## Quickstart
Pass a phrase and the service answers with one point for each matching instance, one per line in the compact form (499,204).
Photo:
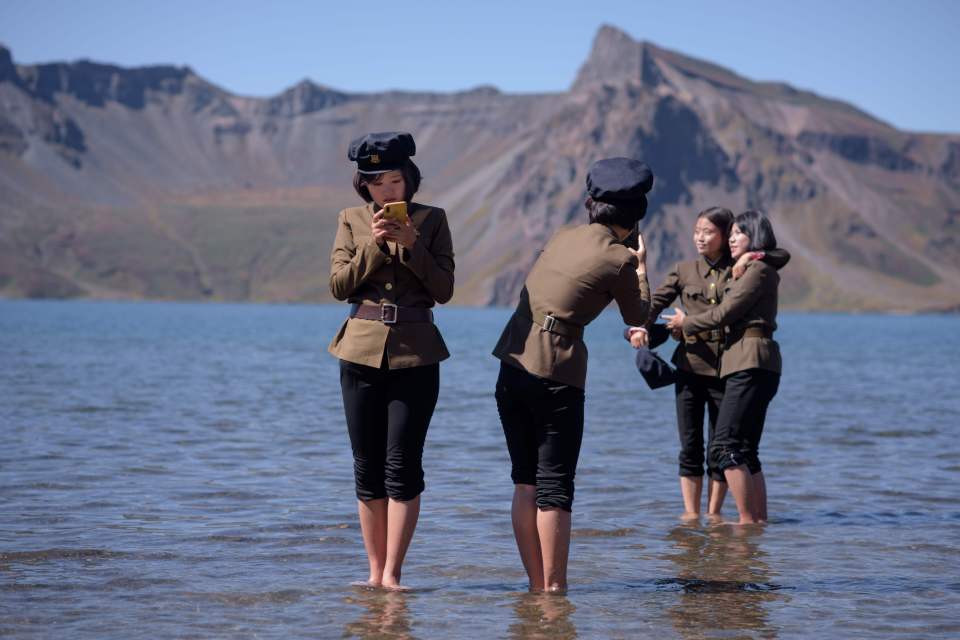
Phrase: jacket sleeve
(776,258)
(432,261)
(740,299)
(632,293)
(665,294)
(661,299)
(352,264)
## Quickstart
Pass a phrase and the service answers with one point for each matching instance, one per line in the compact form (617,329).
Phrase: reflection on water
(541,616)
(723,580)
(385,615)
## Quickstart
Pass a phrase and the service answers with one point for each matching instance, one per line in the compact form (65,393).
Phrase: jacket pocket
(693,293)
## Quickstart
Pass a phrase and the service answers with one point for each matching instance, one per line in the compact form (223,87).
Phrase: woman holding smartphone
(699,285)
(392,270)
(540,390)
(750,364)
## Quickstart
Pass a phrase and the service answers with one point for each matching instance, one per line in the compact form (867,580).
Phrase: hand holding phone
(396,211)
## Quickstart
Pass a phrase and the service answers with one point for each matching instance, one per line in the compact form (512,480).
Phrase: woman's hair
(411,180)
(720,217)
(757,227)
(623,215)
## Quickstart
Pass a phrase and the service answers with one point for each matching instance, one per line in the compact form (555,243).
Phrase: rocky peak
(8,71)
(304,97)
(617,58)
(96,84)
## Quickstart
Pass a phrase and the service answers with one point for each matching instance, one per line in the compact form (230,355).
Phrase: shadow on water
(723,581)
(542,616)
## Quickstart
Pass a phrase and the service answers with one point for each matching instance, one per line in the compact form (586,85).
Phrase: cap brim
(383,167)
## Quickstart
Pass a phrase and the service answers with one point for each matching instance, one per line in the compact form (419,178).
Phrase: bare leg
(716,492)
(553,526)
(691,488)
(524,516)
(760,495)
(741,486)
(401,523)
(373,525)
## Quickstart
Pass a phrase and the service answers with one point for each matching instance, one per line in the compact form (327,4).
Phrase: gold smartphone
(396,211)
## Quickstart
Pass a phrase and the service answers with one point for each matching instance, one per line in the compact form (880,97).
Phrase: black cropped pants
(543,424)
(694,393)
(388,412)
(746,396)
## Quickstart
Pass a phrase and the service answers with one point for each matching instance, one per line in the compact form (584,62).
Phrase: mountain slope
(153,182)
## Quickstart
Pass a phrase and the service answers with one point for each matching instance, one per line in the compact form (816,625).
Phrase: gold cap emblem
(374,158)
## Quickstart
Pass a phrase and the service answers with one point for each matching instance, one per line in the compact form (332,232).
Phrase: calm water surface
(182,470)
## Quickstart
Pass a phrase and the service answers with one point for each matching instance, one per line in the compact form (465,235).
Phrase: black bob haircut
(625,215)
(411,180)
(757,227)
(720,217)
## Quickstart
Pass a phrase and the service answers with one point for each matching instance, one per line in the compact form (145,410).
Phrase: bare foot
(369,584)
(745,522)
(687,516)
(395,586)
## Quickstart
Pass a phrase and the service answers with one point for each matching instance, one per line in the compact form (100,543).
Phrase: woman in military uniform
(540,390)
(699,284)
(391,272)
(750,364)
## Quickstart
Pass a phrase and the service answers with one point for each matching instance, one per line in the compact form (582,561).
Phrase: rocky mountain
(154,183)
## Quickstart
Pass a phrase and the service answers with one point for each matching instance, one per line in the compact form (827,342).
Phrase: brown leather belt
(711,335)
(389,313)
(553,324)
(750,332)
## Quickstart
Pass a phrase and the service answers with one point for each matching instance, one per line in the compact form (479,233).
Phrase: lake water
(183,470)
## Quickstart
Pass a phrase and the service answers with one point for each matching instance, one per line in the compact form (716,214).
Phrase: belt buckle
(716,335)
(548,322)
(388,313)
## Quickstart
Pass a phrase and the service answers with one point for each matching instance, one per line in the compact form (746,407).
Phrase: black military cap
(657,334)
(381,152)
(619,180)
(654,369)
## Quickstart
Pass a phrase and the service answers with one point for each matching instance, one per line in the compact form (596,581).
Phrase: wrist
(413,239)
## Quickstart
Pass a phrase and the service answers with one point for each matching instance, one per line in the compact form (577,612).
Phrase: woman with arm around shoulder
(392,270)
(750,364)
(540,390)
(699,285)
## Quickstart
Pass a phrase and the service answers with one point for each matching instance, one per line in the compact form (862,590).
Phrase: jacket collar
(605,231)
(704,265)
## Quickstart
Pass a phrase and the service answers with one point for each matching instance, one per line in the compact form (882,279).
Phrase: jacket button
(388,286)
(389,260)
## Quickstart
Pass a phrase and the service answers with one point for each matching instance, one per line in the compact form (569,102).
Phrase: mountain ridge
(161,162)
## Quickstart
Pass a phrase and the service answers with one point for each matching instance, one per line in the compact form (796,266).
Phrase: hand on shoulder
(744,261)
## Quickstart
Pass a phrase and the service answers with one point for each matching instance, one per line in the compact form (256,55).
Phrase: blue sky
(896,60)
